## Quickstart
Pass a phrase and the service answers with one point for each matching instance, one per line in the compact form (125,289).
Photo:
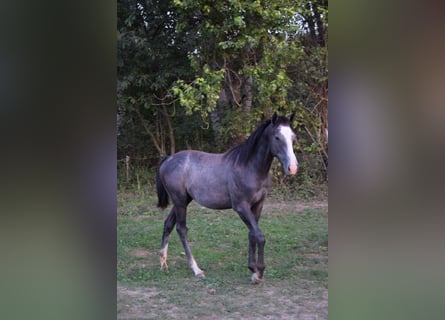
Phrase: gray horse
(238,179)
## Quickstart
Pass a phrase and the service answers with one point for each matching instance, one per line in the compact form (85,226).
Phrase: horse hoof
(201,275)
(256,279)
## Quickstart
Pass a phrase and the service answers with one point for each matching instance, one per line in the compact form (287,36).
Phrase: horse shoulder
(248,186)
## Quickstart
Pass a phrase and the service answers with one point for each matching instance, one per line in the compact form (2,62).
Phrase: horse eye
(277,138)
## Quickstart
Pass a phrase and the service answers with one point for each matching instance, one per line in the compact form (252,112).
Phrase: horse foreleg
(256,238)
(252,265)
(260,264)
(252,253)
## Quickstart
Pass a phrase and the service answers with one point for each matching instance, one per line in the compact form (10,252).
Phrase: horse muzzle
(289,165)
(292,169)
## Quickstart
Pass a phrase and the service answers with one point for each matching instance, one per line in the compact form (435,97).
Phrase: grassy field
(296,257)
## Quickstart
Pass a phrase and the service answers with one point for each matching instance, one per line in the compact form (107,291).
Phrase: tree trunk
(222,105)
(171,133)
(310,22)
(246,92)
(320,26)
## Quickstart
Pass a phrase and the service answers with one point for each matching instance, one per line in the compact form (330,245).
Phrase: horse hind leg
(181,228)
(169,223)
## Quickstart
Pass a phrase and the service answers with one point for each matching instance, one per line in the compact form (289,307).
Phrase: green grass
(295,256)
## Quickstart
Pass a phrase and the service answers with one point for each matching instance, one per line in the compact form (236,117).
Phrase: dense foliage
(201,74)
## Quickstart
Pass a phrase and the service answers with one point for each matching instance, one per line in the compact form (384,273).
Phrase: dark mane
(242,152)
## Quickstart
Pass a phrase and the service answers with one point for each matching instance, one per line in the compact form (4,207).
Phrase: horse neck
(262,160)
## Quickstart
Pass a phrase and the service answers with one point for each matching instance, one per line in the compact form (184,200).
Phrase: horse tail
(162,193)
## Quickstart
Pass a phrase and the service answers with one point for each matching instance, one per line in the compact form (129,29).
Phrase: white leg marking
(198,272)
(256,279)
(163,258)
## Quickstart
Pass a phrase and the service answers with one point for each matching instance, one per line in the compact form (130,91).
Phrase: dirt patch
(145,303)
(141,253)
(254,302)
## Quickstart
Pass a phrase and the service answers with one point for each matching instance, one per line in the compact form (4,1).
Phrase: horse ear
(274,117)
(291,117)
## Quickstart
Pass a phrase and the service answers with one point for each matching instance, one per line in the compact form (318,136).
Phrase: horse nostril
(293,169)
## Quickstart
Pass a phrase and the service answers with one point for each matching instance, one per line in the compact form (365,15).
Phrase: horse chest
(261,192)
(253,190)
(258,195)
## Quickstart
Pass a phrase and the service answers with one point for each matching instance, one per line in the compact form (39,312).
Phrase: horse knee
(257,238)
(260,239)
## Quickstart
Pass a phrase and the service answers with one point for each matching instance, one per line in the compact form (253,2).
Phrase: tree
(214,69)
(245,57)
(150,58)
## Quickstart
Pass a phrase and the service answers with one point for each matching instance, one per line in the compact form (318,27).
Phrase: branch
(173,102)
(152,136)
(317,142)
(231,88)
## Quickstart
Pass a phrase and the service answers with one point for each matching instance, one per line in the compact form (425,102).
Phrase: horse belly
(220,205)
(210,193)
(213,197)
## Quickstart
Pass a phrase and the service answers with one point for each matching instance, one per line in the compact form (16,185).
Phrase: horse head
(281,139)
